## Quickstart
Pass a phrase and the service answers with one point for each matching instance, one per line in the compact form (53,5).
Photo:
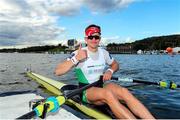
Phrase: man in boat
(90,63)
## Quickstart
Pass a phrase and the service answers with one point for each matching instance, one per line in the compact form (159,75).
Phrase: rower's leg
(100,95)
(132,102)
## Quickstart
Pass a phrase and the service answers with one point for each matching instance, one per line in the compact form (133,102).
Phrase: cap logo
(92,30)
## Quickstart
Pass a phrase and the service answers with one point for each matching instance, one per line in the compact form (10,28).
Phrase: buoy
(169,49)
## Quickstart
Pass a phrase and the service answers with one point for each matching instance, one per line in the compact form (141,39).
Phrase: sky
(50,22)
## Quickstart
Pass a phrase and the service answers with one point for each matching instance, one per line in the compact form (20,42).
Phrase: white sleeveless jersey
(90,69)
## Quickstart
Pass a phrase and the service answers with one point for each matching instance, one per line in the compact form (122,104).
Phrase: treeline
(37,49)
(152,43)
(157,43)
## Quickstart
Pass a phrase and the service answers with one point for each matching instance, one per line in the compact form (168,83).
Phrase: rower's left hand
(107,75)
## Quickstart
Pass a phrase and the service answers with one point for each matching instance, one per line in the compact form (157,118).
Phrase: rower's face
(93,40)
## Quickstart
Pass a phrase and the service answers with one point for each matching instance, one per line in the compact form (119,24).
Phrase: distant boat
(176,50)
(139,52)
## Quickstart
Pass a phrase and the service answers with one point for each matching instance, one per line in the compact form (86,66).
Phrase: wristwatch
(74,60)
(111,70)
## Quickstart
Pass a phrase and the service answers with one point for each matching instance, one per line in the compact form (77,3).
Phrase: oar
(165,84)
(53,103)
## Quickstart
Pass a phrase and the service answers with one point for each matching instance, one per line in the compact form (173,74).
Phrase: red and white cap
(92,30)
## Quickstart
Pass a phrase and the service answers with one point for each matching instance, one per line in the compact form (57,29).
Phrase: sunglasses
(95,37)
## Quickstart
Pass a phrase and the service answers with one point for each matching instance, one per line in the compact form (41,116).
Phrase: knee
(110,85)
(125,93)
(108,95)
(124,90)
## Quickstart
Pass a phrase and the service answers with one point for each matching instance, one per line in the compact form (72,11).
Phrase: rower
(90,63)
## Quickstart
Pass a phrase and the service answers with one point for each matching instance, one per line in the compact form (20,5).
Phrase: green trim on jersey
(80,76)
(84,97)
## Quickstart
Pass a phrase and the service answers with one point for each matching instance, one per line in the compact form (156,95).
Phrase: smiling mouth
(94,42)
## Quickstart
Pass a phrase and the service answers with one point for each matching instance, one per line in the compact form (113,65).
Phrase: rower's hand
(107,75)
(81,54)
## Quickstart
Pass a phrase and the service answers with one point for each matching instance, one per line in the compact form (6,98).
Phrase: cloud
(26,22)
(72,7)
(34,22)
(116,39)
(64,7)
(107,5)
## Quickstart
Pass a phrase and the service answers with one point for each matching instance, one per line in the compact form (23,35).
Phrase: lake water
(163,103)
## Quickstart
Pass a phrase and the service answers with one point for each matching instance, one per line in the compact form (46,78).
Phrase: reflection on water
(163,103)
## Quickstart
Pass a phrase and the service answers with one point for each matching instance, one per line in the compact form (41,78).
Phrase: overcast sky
(45,22)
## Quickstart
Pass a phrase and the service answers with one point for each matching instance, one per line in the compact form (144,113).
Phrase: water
(163,103)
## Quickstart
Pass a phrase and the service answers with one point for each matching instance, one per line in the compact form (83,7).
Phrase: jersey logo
(95,71)
(95,66)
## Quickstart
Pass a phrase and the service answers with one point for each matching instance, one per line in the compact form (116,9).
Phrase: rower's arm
(63,67)
(114,66)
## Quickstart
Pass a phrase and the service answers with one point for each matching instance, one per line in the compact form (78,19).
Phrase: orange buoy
(169,49)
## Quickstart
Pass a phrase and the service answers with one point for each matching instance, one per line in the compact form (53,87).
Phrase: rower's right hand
(81,54)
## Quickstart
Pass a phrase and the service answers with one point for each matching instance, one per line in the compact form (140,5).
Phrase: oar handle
(122,79)
(134,80)
(78,91)
(146,82)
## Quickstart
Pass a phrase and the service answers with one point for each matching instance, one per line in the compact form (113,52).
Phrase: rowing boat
(97,112)
(54,86)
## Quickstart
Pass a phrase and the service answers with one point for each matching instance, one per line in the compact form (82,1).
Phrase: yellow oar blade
(169,84)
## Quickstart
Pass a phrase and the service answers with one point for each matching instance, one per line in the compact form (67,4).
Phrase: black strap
(100,84)
(69,87)
(46,106)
